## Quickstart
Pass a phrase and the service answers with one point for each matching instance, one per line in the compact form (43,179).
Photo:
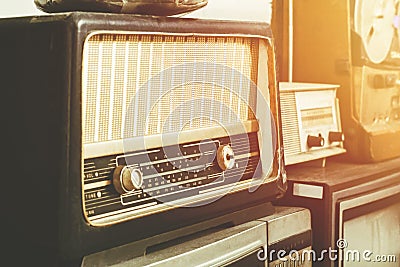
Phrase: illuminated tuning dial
(225,157)
(127,179)
(315,141)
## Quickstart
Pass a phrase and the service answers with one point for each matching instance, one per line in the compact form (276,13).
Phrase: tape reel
(396,21)
(375,22)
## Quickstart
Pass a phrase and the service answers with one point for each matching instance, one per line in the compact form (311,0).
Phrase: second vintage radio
(129,127)
(310,121)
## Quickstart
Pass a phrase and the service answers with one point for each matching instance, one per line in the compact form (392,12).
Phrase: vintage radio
(122,128)
(310,122)
(354,43)
(262,242)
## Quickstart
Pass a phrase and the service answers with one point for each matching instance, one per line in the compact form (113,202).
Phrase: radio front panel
(167,123)
(317,116)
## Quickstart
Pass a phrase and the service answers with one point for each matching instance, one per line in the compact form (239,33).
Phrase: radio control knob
(378,81)
(127,179)
(315,141)
(336,137)
(225,157)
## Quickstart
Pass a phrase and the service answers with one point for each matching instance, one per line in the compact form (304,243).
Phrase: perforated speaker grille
(149,77)
(290,124)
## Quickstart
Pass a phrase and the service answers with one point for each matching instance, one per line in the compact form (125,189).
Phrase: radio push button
(377,81)
(127,179)
(336,137)
(395,101)
(315,141)
(225,157)
(380,81)
(391,80)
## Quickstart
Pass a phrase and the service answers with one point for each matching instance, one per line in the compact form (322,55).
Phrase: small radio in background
(310,122)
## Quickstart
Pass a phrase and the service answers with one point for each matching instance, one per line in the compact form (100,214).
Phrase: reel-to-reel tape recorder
(355,43)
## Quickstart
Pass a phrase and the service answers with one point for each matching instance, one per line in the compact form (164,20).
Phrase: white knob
(127,179)
(225,157)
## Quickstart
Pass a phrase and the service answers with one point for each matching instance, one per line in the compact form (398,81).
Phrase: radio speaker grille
(290,124)
(124,73)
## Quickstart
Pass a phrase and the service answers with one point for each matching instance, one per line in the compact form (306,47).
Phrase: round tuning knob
(127,179)
(336,137)
(315,141)
(225,157)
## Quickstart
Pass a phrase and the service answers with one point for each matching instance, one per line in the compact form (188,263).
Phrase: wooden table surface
(340,173)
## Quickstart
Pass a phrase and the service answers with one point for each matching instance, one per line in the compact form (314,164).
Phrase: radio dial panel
(158,180)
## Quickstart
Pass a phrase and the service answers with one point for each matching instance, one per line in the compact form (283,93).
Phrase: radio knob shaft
(315,141)
(127,179)
(225,157)
(336,137)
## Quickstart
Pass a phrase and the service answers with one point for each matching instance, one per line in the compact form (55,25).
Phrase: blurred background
(18,8)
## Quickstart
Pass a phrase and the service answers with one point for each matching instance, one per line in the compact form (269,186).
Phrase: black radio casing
(41,103)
